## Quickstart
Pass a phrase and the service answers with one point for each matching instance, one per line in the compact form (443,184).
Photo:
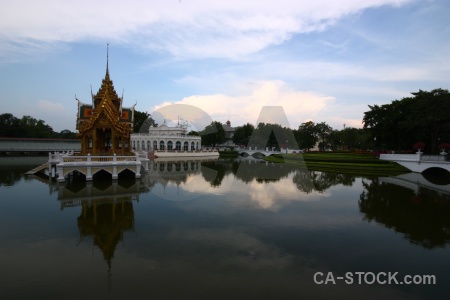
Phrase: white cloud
(54,114)
(50,107)
(299,106)
(196,28)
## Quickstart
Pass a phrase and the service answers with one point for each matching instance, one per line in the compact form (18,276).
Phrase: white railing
(413,157)
(434,158)
(101,159)
(186,151)
(407,157)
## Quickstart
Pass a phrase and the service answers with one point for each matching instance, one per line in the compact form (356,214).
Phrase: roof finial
(107,58)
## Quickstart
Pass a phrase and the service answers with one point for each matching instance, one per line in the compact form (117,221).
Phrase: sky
(323,61)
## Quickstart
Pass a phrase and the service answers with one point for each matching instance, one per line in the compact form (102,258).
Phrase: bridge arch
(102,172)
(440,168)
(418,163)
(126,172)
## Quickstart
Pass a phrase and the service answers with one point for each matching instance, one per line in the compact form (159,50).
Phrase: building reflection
(165,170)
(421,214)
(106,210)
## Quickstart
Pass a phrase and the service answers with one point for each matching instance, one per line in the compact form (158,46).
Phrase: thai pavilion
(105,126)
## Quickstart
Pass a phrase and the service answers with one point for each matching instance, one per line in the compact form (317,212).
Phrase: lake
(222,230)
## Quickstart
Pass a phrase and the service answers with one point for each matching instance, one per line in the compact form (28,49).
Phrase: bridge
(418,162)
(265,152)
(415,181)
(35,145)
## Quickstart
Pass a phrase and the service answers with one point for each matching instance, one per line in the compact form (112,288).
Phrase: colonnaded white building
(165,138)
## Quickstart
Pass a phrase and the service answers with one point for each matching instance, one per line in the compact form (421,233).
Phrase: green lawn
(350,163)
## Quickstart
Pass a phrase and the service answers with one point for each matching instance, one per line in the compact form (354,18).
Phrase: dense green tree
(67,134)
(9,125)
(193,133)
(29,127)
(423,117)
(213,134)
(272,135)
(306,135)
(243,133)
(323,131)
(143,121)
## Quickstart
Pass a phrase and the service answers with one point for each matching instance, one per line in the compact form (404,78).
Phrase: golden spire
(107,58)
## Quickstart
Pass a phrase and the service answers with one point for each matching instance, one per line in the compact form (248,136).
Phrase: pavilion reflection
(106,210)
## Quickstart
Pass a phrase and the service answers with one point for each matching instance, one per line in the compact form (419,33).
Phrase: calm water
(219,230)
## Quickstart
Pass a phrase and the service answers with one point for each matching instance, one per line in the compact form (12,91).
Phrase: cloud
(197,28)
(50,107)
(55,114)
(299,106)
(273,196)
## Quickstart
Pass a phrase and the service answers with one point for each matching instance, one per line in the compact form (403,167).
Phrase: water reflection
(309,181)
(422,215)
(14,167)
(407,203)
(246,230)
(106,210)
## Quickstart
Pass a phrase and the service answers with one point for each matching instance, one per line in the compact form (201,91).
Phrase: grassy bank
(350,163)
(228,154)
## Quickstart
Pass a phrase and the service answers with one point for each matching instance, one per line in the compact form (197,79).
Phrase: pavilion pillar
(94,141)
(113,142)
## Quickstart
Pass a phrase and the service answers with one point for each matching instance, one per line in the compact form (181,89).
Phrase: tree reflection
(9,177)
(424,218)
(214,178)
(262,172)
(309,181)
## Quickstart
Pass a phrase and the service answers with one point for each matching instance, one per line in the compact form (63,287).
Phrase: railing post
(89,158)
(419,156)
(114,158)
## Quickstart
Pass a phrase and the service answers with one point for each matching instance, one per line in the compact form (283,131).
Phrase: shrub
(445,146)
(419,146)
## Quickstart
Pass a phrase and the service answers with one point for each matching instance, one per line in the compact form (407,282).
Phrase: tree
(9,125)
(67,134)
(213,134)
(272,135)
(323,131)
(30,127)
(143,121)
(193,133)
(421,117)
(243,133)
(306,135)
